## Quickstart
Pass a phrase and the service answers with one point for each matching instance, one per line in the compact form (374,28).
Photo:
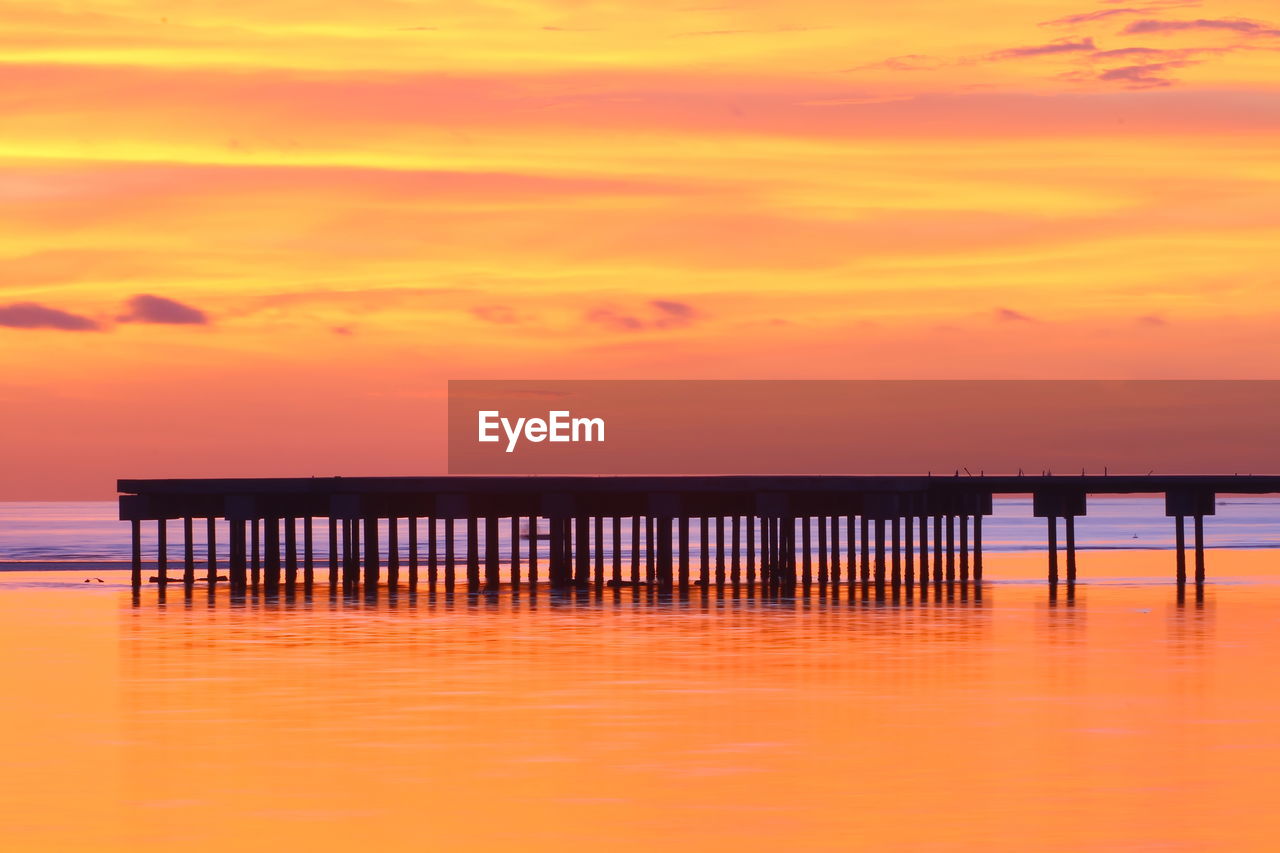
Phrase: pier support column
(515,553)
(977,547)
(964,548)
(1199,536)
(823,574)
(450,556)
(865,532)
(236,556)
(938,546)
(616,544)
(372,555)
(492,557)
(951,548)
(135,575)
(751,550)
(308,552)
(1053,548)
(188,552)
(560,570)
(662,527)
(806,552)
(582,550)
(333,553)
(291,551)
(598,544)
(393,552)
(683,578)
(719,550)
(255,555)
(473,554)
(413,552)
(533,552)
(896,527)
(271,554)
(1180,543)
(735,564)
(909,550)
(924,551)
(835,548)
(162,551)
(211,548)
(1070,522)
(635,550)
(880,567)
(704,550)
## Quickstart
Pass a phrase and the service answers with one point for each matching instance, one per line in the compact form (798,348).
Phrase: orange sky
(363,199)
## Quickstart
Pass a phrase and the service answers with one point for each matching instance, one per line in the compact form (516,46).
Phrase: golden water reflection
(1117,717)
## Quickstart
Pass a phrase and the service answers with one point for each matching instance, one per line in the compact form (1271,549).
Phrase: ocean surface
(1117,715)
(88,531)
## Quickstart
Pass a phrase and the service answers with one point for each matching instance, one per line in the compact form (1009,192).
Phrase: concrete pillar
(473,554)
(135,576)
(704,550)
(413,552)
(1199,535)
(751,550)
(896,526)
(683,578)
(880,566)
(393,552)
(515,553)
(924,551)
(492,556)
(599,550)
(450,556)
(162,550)
(735,562)
(719,550)
(616,544)
(255,545)
(561,575)
(236,556)
(864,531)
(582,550)
(1180,543)
(372,555)
(951,548)
(835,548)
(291,551)
(1070,522)
(271,553)
(1053,549)
(977,547)
(964,547)
(766,551)
(333,552)
(308,552)
(533,551)
(822,552)
(662,528)
(806,552)
(433,553)
(909,550)
(188,552)
(211,548)
(938,547)
(650,555)
(635,550)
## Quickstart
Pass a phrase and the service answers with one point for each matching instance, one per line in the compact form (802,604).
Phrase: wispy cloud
(1148,76)
(1009,315)
(1238,25)
(661,314)
(32,315)
(1056,47)
(147,308)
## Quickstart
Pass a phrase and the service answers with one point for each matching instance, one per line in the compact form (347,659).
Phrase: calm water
(90,532)
(1116,717)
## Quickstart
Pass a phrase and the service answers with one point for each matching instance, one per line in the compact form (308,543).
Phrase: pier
(779,533)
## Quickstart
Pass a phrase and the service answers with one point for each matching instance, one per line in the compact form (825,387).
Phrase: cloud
(1008,315)
(345,331)
(1238,25)
(1059,46)
(145,308)
(1148,76)
(1152,320)
(1087,17)
(662,314)
(32,315)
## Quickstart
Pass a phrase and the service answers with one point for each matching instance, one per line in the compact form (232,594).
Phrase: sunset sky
(257,238)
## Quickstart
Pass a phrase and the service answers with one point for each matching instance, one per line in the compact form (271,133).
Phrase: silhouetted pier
(779,532)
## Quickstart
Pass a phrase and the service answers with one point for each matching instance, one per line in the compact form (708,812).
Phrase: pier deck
(780,531)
